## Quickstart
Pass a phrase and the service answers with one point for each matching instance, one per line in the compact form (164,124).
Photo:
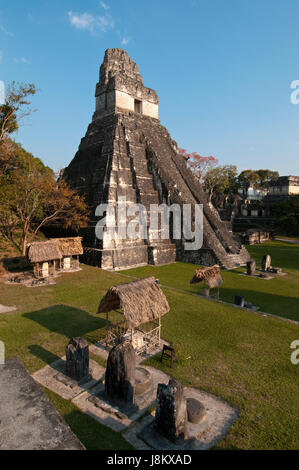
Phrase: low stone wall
(253,237)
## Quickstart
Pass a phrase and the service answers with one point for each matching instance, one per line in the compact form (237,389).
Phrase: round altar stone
(195,410)
(143,381)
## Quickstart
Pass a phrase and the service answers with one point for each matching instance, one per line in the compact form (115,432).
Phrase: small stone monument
(206,292)
(251,267)
(77,359)
(171,411)
(239,300)
(120,375)
(266,263)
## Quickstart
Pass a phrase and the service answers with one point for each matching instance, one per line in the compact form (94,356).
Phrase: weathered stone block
(171,411)
(266,263)
(239,300)
(77,359)
(120,375)
(251,267)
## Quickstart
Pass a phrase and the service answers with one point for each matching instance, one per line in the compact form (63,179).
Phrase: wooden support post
(159,331)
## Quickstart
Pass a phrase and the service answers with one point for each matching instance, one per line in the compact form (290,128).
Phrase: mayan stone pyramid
(126,152)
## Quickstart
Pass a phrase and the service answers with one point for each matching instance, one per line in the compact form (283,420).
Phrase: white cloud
(104,5)
(22,59)
(4,30)
(125,40)
(32,18)
(91,23)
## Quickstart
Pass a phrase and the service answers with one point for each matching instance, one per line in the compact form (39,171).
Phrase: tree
(286,216)
(15,108)
(12,111)
(246,179)
(199,165)
(266,177)
(221,180)
(30,198)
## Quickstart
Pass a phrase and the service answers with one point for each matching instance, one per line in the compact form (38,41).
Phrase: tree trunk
(24,243)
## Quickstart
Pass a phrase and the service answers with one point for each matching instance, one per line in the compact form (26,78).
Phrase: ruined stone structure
(77,359)
(126,152)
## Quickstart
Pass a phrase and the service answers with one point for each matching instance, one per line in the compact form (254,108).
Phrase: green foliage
(30,198)
(258,179)
(286,216)
(15,108)
(221,180)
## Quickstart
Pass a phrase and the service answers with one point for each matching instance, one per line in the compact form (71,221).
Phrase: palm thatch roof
(39,252)
(69,246)
(140,301)
(210,274)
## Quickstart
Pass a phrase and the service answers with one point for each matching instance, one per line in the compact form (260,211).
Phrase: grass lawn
(278,296)
(237,355)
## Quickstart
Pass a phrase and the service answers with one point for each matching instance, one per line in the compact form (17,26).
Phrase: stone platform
(266,276)
(7,309)
(54,377)
(95,404)
(28,419)
(218,419)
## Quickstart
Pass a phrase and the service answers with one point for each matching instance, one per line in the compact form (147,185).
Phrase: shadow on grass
(15,264)
(43,354)
(283,306)
(66,320)
(94,435)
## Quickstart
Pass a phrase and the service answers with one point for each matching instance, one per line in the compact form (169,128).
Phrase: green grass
(278,296)
(237,355)
(286,237)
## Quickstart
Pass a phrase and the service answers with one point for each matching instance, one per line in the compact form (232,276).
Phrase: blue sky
(222,69)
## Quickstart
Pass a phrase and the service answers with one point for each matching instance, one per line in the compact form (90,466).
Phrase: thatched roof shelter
(40,252)
(70,246)
(140,301)
(210,274)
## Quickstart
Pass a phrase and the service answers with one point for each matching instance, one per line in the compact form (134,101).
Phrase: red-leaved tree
(198,164)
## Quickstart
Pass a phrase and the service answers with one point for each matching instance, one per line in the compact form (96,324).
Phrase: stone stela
(120,375)
(171,411)
(77,359)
